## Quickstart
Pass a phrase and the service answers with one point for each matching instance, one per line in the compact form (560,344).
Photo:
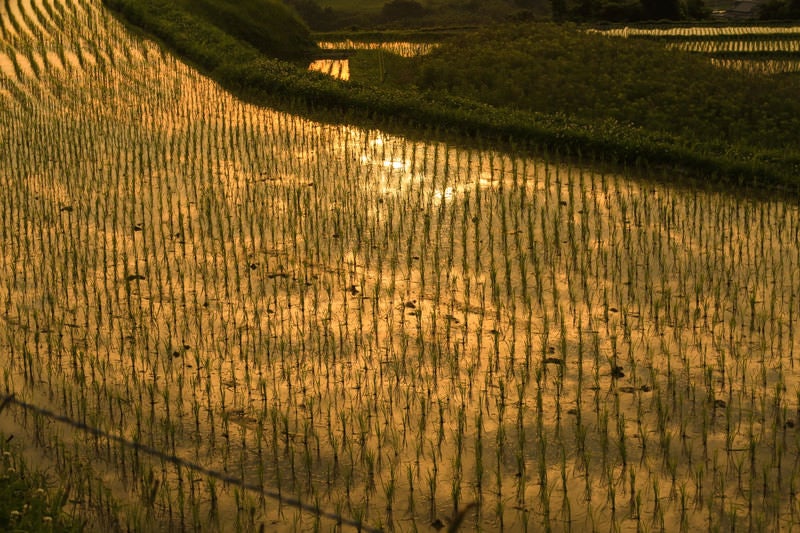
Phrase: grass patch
(26,504)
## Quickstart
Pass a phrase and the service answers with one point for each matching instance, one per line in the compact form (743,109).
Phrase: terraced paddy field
(768,49)
(221,317)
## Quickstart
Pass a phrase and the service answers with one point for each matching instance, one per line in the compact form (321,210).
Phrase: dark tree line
(780,9)
(325,18)
(629,10)
(418,11)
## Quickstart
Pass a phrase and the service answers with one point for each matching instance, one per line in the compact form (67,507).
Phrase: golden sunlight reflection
(396,164)
(336,68)
(445,194)
(401,48)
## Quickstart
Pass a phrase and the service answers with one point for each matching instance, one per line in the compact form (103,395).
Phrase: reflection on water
(340,68)
(733,31)
(401,48)
(759,66)
(337,68)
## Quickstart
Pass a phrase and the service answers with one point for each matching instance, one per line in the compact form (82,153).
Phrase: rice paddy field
(770,49)
(221,317)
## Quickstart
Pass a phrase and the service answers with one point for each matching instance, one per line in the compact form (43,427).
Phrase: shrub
(317,17)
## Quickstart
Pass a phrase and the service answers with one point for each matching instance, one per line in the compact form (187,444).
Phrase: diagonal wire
(216,474)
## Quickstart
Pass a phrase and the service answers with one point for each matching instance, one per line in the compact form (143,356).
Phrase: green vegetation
(212,31)
(266,24)
(25,502)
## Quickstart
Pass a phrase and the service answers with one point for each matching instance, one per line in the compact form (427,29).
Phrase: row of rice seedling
(387,330)
(401,48)
(712,47)
(742,31)
(758,66)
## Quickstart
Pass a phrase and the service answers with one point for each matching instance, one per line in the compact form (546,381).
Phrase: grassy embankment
(552,88)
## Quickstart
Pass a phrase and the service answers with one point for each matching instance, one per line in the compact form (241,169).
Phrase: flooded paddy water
(339,68)
(220,317)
